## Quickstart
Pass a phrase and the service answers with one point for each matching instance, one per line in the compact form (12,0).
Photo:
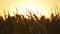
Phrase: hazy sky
(40,4)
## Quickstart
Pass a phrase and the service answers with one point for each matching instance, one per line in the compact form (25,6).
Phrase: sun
(34,10)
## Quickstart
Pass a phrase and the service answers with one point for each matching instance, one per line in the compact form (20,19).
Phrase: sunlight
(38,7)
(38,12)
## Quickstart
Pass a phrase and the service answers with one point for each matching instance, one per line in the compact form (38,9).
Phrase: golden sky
(43,6)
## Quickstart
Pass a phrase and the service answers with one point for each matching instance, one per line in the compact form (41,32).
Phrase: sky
(43,6)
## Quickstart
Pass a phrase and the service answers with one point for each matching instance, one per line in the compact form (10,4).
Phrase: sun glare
(36,7)
(38,12)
